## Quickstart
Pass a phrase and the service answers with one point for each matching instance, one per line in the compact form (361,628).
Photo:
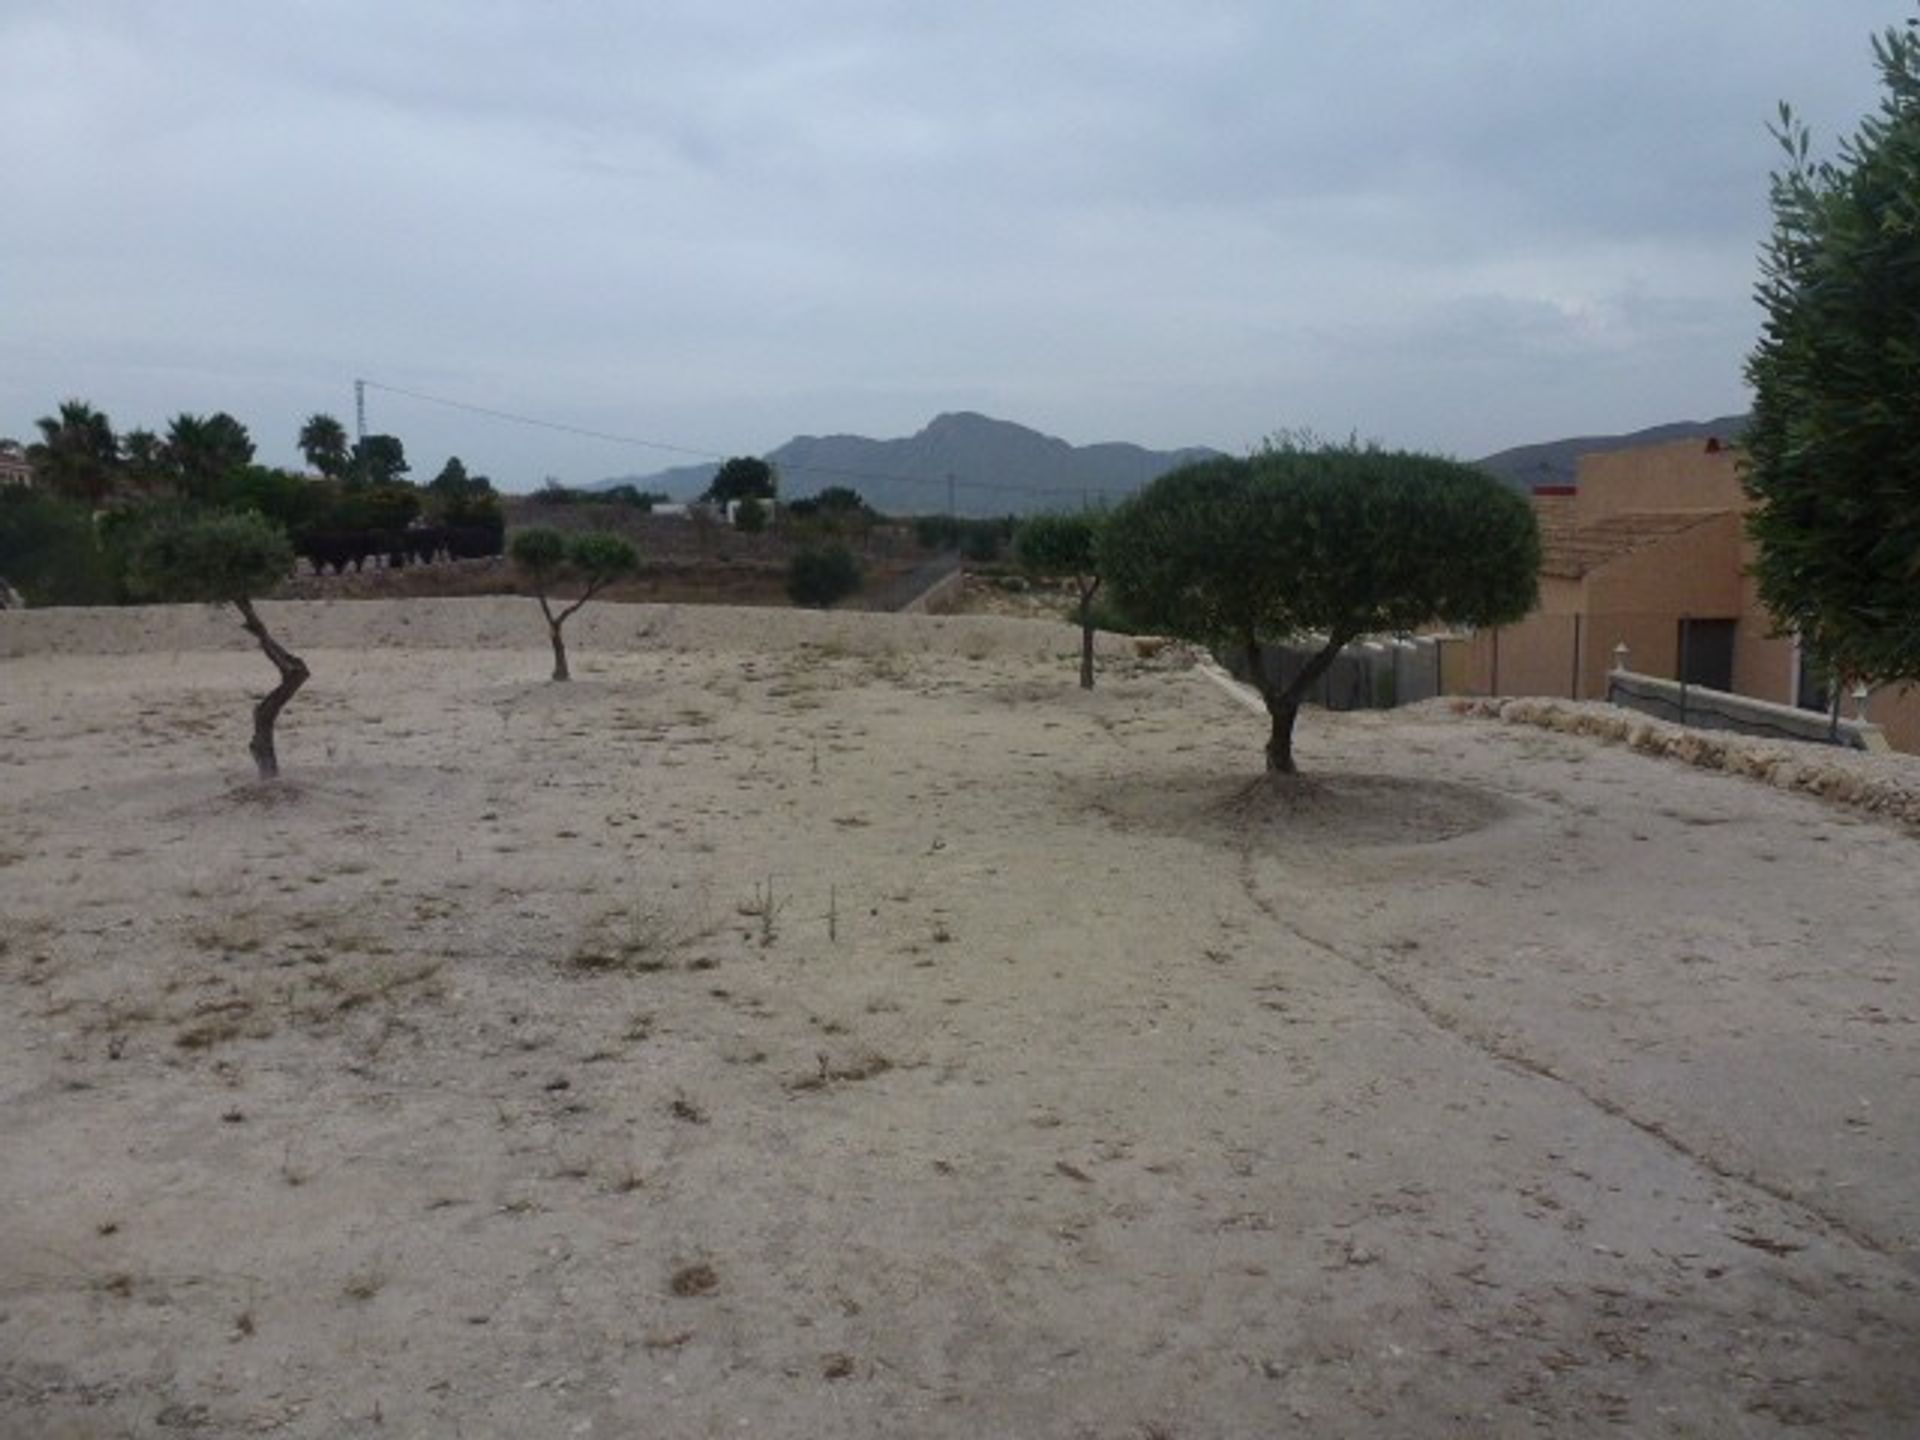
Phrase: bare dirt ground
(841,1025)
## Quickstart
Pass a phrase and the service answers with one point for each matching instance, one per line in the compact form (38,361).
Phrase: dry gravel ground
(813,1026)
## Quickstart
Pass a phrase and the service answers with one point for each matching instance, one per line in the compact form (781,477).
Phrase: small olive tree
(593,560)
(1067,546)
(225,559)
(1333,541)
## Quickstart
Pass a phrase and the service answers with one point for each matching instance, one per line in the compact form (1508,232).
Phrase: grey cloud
(1460,225)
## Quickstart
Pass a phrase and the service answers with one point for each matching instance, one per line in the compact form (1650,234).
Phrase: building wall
(1683,475)
(1897,713)
(1765,666)
(1533,656)
(1639,598)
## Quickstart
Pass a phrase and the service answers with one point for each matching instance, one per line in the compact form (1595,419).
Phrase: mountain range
(982,465)
(977,465)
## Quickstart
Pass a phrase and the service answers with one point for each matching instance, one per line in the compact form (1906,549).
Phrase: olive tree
(1332,542)
(1067,546)
(593,560)
(225,558)
(1836,387)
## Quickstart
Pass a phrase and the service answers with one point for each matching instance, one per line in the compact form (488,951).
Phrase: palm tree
(77,455)
(323,440)
(145,459)
(205,451)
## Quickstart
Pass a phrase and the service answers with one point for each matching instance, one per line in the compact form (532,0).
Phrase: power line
(838,472)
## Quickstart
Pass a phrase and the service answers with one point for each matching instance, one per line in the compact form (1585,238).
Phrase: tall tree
(323,440)
(144,460)
(1068,547)
(594,559)
(204,451)
(452,479)
(744,477)
(1333,542)
(379,460)
(76,454)
(1834,447)
(232,559)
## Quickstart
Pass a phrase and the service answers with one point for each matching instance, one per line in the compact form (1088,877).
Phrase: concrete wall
(1704,709)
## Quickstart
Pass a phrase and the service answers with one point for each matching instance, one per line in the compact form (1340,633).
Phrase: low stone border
(1881,784)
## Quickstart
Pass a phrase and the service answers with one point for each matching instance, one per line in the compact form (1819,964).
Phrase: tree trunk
(293,674)
(1280,738)
(554,622)
(1086,636)
(1283,702)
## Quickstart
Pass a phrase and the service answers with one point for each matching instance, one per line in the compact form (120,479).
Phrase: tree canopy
(1834,447)
(76,455)
(323,440)
(1333,542)
(378,460)
(201,452)
(744,477)
(212,558)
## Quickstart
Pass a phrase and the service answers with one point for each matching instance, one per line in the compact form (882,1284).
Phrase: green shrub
(818,578)
(50,551)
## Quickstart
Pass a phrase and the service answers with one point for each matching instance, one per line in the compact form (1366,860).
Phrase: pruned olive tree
(1332,542)
(1067,547)
(593,560)
(226,559)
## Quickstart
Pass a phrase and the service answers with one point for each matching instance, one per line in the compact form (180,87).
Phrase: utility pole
(360,428)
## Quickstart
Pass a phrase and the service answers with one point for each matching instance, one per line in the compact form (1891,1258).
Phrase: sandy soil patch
(841,1025)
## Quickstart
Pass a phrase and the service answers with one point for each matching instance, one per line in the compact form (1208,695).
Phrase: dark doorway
(1706,653)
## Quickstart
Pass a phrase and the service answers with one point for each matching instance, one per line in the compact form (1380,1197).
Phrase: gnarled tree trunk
(554,622)
(1283,702)
(293,674)
(1086,633)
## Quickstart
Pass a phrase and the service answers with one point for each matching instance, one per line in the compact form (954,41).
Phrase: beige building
(1648,550)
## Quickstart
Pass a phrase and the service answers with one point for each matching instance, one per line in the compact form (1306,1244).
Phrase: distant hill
(1552,462)
(997,468)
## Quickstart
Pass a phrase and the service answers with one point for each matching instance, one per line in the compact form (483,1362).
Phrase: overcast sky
(1451,224)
